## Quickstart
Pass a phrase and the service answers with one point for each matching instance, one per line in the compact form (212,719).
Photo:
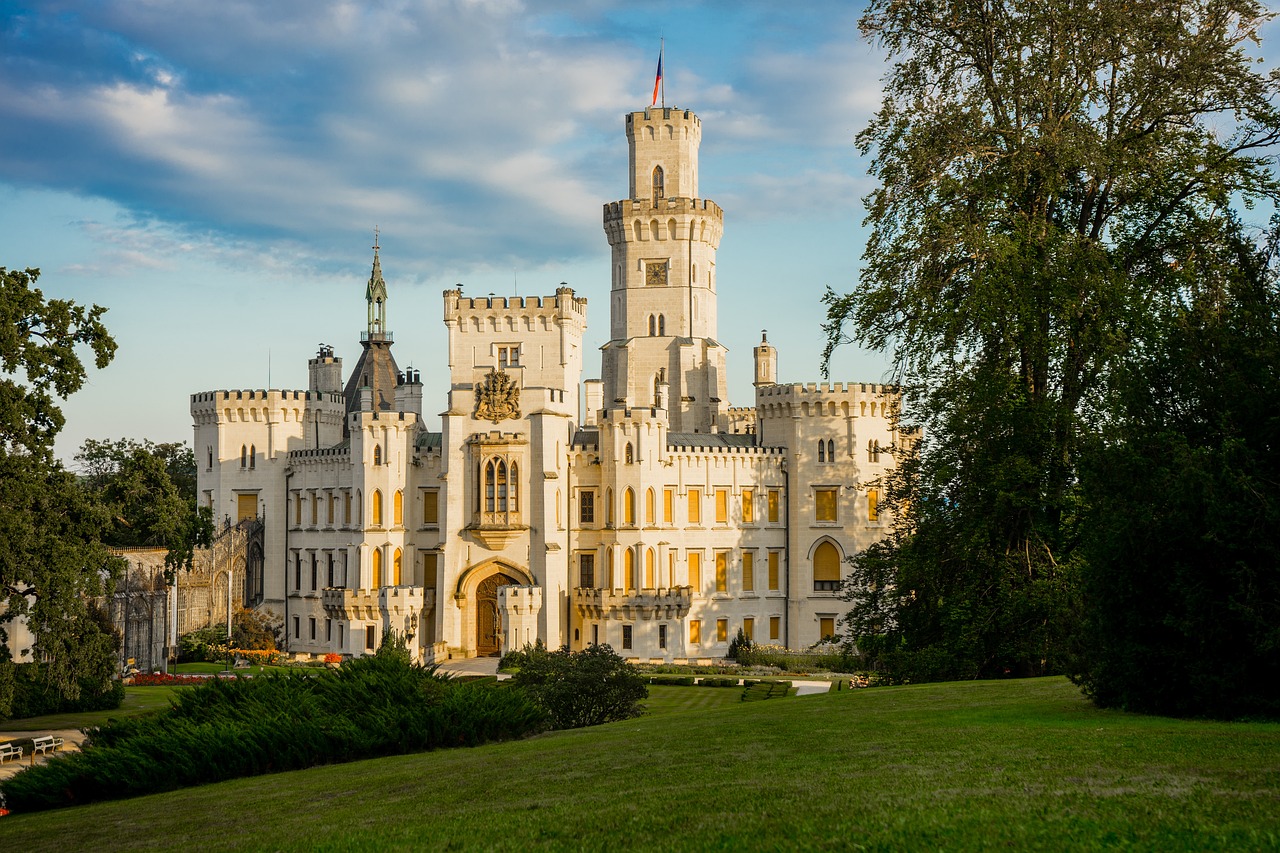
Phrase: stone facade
(638,509)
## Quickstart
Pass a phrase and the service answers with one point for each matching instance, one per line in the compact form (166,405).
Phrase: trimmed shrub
(718,682)
(34,697)
(228,728)
(583,688)
(672,680)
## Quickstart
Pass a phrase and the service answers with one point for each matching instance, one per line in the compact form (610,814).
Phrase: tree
(52,560)
(150,491)
(1182,532)
(583,688)
(1044,171)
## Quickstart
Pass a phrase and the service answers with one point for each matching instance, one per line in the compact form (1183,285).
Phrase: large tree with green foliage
(1045,170)
(150,491)
(1181,577)
(52,557)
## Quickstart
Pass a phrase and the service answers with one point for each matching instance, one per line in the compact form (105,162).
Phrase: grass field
(976,765)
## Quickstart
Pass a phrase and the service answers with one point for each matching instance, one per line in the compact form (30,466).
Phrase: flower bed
(159,679)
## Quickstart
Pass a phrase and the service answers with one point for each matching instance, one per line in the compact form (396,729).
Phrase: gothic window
(629,507)
(210,452)
(831,450)
(653,325)
(650,507)
(649,560)
(822,451)
(629,568)
(662,326)
(826,568)
(501,489)
(608,507)
(244,456)
(659,188)
(586,507)
(398,509)
(377,508)
(396,563)
(377,567)
(253,457)
(630,454)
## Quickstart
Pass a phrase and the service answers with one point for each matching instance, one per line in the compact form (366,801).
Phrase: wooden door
(488,622)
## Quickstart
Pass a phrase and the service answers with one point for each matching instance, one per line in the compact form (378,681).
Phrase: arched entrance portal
(488,620)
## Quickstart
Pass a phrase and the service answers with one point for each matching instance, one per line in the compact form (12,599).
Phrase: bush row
(228,728)
(33,696)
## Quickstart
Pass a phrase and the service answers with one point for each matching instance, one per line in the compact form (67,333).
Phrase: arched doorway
(488,620)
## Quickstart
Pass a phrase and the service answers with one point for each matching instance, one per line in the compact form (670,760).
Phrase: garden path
(71,739)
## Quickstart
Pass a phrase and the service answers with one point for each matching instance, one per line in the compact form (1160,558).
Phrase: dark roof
(377,369)
(429,440)
(711,440)
(586,435)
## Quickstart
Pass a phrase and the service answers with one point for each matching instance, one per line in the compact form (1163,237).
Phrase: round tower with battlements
(663,297)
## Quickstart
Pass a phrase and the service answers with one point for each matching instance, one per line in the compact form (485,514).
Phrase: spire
(376,295)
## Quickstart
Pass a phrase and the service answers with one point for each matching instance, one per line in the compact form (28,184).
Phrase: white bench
(46,744)
(8,751)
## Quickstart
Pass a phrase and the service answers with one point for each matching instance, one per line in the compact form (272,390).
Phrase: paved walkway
(71,738)
(472,666)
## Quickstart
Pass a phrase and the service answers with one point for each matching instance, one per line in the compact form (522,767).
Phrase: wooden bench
(46,744)
(8,751)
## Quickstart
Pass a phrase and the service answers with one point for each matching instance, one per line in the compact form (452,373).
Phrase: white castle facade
(638,509)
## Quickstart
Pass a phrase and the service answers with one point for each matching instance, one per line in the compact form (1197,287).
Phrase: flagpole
(662,54)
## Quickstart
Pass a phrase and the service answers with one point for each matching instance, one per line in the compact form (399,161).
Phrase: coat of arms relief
(497,398)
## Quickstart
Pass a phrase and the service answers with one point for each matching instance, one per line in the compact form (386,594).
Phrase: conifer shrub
(229,728)
(672,680)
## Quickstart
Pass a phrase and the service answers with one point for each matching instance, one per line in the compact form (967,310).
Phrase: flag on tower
(657,81)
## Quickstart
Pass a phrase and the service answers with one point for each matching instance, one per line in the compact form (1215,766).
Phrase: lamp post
(411,629)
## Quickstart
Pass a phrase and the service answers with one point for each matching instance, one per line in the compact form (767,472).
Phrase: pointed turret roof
(376,368)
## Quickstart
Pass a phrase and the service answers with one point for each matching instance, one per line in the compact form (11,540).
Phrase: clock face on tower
(655,273)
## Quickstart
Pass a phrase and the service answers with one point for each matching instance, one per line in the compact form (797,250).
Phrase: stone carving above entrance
(498,398)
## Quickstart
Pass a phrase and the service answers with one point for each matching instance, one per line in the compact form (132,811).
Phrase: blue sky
(212,172)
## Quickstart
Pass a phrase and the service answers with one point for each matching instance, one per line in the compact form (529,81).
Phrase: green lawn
(986,765)
(664,699)
(253,669)
(137,700)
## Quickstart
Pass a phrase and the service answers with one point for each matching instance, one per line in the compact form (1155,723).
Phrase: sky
(213,172)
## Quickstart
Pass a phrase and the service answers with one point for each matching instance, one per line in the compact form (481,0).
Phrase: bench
(45,744)
(8,751)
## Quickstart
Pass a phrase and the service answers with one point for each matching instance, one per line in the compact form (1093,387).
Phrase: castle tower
(663,301)
(766,358)
(376,368)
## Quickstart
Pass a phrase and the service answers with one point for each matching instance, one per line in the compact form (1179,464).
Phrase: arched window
(650,507)
(826,567)
(608,568)
(377,508)
(649,560)
(629,506)
(490,478)
(662,326)
(608,507)
(395,568)
(244,456)
(629,454)
(502,486)
(653,326)
(629,568)
(831,450)
(397,509)
(659,187)
(253,457)
(822,451)
(377,567)
(377,454)
(514,489)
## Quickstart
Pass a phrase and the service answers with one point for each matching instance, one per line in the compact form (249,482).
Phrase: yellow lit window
(873,500)
(246,507)
(722,571)
(748,571)
(749,628)
(629,568)
(668,498)
(773,506)
(377,507)
(749,506)
(315,515)
(629,507)
(695,631)
(650,507)
(649,560)
(826,627)
(695,570)
(825,504)
(695,506)
(773,570)
(396,568)
(398,509)
(722,506)
(826,567)
(775,625)
(431,507)
(722,630)
(377,567)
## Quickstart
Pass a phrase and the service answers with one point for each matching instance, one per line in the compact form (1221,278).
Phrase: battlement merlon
(562,306)
(665,138)
(851,398)
(214,405)
(631,219)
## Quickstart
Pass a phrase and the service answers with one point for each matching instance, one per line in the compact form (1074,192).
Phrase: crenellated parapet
(528,310)
(826,399)
(698,220)
(257,405)
(633,604)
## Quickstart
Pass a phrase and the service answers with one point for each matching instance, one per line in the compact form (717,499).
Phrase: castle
(638,509)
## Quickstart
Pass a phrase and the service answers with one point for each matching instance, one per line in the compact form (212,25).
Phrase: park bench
(46,744)
(8,751)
